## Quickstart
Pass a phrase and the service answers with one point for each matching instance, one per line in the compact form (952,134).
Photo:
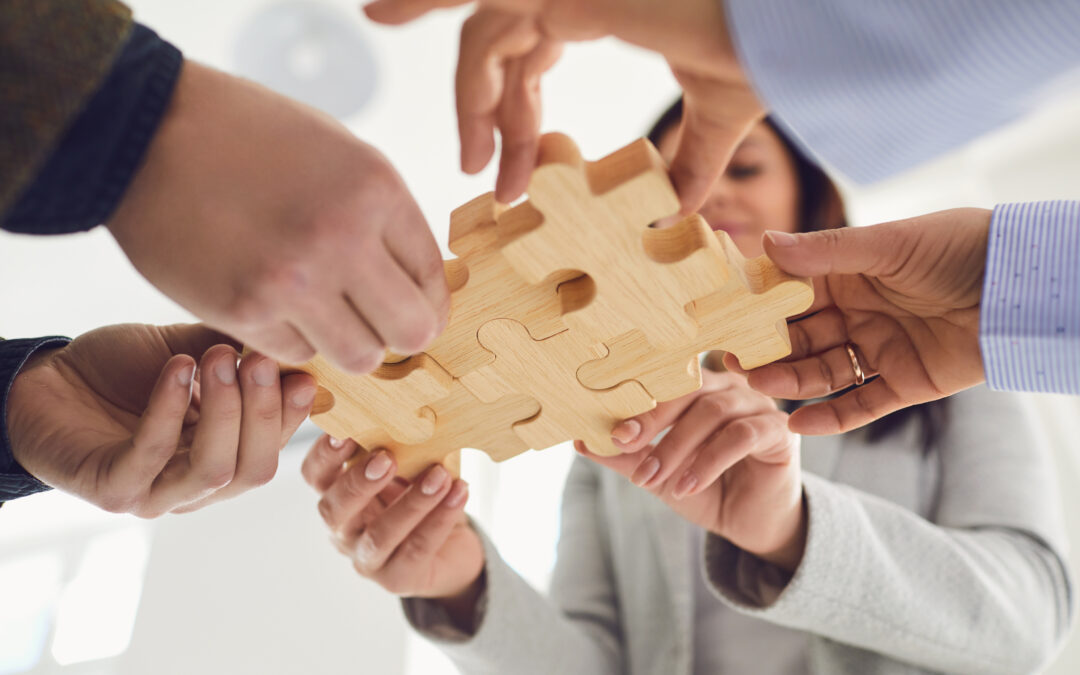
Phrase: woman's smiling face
(759,191)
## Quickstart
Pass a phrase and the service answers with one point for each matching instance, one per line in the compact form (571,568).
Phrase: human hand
(410,538)
(121,418)
(905,294)
(728,464)
(274,224)
(508,44)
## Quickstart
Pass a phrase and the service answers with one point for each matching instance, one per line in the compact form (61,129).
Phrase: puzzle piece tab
(546,371)
(484,286)
(595,217)
(747,318)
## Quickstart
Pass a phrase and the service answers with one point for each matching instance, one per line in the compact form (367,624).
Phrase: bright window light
(97,608)
(29,586)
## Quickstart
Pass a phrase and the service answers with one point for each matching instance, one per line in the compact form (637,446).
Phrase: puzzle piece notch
(483,286)
(595,217)
(394,398)
(747,318)
(546,371)
(461,421)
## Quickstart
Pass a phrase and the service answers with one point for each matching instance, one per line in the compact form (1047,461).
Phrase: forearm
(880,578)
(1029,328)
(14,355)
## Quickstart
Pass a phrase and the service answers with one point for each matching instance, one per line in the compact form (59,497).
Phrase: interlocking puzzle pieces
(546,371)
(484,286)
(748,318)
(595,217)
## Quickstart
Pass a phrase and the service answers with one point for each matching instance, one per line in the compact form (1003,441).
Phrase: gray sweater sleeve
(981,589)
(519,630)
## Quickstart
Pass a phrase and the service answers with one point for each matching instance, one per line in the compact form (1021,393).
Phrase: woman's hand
(411,538)
(122,417)
(727,464)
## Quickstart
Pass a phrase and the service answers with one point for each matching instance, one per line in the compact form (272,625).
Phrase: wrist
(788,552)
(461,606)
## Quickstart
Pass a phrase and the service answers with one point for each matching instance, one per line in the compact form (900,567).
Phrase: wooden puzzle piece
(461,421)
(747,318)
(546,371)
(394,398)
(483,286)
(595,217)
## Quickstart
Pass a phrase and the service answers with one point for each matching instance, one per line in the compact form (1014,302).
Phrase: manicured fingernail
(377,466)
(782,238)
(265,373)
(456,495)
(336,442)
(185,376)
(627,432)
(433,481)
(685,485)
(365,549)
(645,471)
(304,397)
(225,371)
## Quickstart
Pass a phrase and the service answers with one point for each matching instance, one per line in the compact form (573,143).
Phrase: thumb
(873,250)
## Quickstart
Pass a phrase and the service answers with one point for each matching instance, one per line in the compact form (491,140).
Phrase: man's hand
(508,44)
(905,295)
(274,224)
(122,418)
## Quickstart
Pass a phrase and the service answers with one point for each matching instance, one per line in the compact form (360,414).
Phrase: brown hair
(820,208)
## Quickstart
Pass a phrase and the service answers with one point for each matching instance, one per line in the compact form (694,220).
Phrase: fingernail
(456,495)
(265,373)
(225,371)
(336,442)
(304,397)
(685,485)
(627,432)
(377,466)
(782,238)
(185,376)
(365,549)
(433,481)
(645,471)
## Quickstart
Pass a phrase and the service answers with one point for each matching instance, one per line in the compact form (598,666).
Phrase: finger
(155,438)
(874,250)
(413,247)
(339,331)
(421,546)
(194,339)
(634,433)
(280,341)
(324,462)
(623,464)
(811,377)
(211,463)
(854,409)
(817,333)
(518,118)
(356,488)
(737,440)
(382,537)
(391,302)
(698,423)
(297,395)
(395,12)
(489,39)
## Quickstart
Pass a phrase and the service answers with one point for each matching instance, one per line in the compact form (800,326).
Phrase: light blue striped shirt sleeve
(874,87)
(1029,327)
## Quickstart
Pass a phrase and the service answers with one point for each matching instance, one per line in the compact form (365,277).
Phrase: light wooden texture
(571,287)
(546,370)
(747,318)
(595,217)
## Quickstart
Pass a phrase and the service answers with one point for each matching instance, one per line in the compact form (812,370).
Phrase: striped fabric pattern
(1029,329)
(874,87)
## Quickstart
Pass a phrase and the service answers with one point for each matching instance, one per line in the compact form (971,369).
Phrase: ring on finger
(860,377)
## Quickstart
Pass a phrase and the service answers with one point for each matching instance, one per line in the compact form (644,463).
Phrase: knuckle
(826,373)
(353,484)
(215,476)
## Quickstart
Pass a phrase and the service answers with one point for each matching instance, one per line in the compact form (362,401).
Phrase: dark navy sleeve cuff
(14,480)
(83,180)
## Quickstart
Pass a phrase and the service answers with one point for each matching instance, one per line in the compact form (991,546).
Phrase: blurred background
(253,585)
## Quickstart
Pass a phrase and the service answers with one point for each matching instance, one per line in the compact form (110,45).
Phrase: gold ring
(859,376)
